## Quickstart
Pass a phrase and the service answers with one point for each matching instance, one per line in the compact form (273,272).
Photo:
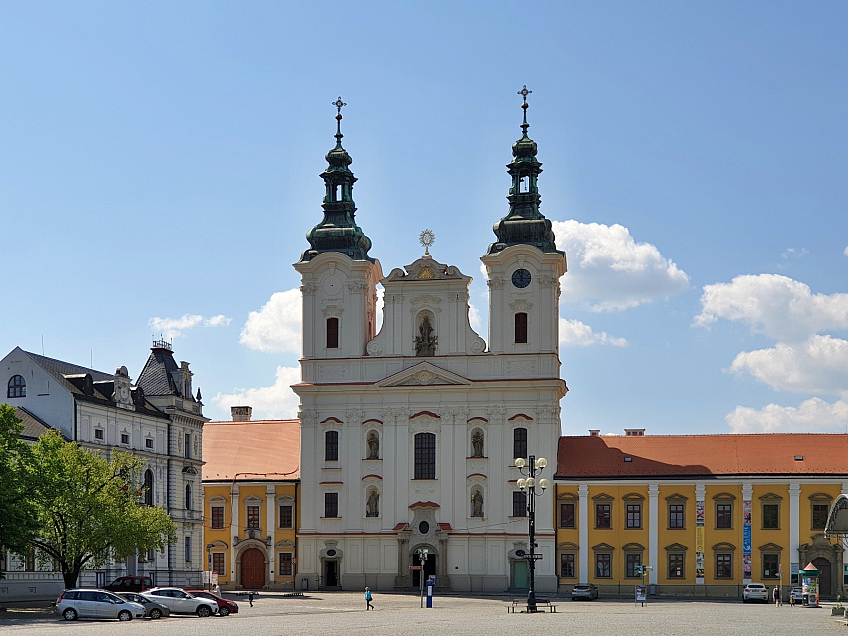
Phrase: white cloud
(172,327)
(474,318)
(610,270)
(819,365)
(217,321)
(270,402)
(774,305)
(276,327)
(573,333)
(846,251)
(813,415)
(378,308)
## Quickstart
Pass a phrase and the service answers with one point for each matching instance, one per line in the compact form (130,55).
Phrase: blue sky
(159,169)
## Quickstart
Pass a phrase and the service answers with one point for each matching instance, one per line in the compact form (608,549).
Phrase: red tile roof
(261,450)
(666,456)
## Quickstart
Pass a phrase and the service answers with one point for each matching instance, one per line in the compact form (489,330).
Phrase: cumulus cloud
(774,305)
(474,318)
(610,270)
(276,327)
(813,415)
(573,333)
(270,402)
(846,251)
(173,327)
(819,365)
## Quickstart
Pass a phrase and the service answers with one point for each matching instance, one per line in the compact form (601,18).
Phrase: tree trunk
(71,577)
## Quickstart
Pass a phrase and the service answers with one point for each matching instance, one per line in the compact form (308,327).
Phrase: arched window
(148,487)
(521,328)
(17,387)
(519,443)
(524,184)
(332,333)
(331,446)
(425,456)
(188,498)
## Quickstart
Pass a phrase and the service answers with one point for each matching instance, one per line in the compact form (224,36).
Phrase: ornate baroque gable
(423,374)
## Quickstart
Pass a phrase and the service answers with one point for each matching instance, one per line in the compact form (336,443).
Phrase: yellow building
(707,513)
(250,492)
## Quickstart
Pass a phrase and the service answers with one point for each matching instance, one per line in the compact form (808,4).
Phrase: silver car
(181,602)
(587,592)
(74,604)
(152,609)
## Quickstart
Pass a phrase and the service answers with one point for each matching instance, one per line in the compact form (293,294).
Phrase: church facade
(408,435)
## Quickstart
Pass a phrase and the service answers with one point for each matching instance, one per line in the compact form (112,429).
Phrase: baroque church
(409,434)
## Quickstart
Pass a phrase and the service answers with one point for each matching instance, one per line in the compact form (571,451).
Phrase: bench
(519,602)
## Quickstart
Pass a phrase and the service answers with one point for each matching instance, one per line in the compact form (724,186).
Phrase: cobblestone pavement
(344,613)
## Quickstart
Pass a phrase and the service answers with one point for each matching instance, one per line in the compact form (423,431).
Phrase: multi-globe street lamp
(530,468)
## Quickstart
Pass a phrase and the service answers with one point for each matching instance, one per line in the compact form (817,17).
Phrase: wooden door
(253,569)
(520,576)
(825,580)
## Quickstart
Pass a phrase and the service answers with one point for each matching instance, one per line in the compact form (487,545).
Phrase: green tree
(89,508)
(17,517)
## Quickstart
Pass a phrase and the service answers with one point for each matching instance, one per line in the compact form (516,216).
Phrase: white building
(408,436)
(157,419)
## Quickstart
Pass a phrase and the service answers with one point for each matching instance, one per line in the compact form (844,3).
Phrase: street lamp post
(530,468)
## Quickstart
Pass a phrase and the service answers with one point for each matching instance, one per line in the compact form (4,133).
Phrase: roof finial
(338,104)
(524,92)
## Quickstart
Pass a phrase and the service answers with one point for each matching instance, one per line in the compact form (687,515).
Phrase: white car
(76,603)
(181,602)
(755,592)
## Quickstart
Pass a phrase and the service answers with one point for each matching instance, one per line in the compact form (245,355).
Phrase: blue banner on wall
(746,539)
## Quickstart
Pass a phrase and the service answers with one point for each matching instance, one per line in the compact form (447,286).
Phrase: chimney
(634,432)
(241,413)
(594,432)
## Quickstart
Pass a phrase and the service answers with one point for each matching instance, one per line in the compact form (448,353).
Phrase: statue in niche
(477,504)
(373,446)
(477,444)
(425,342)
(372,505)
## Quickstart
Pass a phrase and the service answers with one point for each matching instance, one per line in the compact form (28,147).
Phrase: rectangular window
(331,504)
(217,517)
(332,333)
(566,515)
(724,515)
(771,516)
(675,565)
(253,517)
(285,568)
(724,565)
(566,565)
(771,566)
(603,516)
(98,433)
(632,562)
(634,516)
(521,328)
(148,443)
(820,516)
(519,443)
(218,563)
(125,438)
(188,445)
(603,565)
(286,516)
(519,504)
(188,549)
(676,516)
(331,446)
(425,456)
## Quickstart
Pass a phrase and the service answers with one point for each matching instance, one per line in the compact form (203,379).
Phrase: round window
(331,553)
(423,527)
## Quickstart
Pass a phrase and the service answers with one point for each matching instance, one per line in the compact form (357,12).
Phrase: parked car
(798,594)
(755,592)
(130,584)
(152,609)
(587,592)
(181,602)
(74,604)
(225,606)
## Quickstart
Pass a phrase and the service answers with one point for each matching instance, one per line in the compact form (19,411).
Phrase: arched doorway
(826,578)
(429,566)
(253,569)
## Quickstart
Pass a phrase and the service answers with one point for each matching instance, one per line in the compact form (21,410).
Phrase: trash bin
(652,590)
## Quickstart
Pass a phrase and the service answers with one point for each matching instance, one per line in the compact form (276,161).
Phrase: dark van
(130,584)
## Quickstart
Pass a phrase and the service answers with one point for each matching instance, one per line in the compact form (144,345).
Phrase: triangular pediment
(423,374)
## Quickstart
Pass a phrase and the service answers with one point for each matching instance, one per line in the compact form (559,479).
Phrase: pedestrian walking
(368,604)
(776,595)
(217,590)
(250,598)
(792,598)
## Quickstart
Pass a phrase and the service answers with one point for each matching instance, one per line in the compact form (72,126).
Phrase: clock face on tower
(521,278)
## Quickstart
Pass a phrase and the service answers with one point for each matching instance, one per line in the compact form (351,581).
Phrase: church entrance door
(331,573)
(429,568)
(825,581)
(253,569)
(520,578)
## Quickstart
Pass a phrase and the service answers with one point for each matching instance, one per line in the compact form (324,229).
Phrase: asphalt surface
(344,613)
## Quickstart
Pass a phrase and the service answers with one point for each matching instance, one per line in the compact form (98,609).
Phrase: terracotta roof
(667,456)
(261,450)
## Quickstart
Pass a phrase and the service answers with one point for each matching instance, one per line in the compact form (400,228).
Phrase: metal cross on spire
(338,104)
(524,92)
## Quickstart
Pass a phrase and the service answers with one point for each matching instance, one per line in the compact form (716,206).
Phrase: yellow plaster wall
(685,537)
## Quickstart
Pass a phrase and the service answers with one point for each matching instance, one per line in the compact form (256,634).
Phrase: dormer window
(332,333)
(17,387)
(521,328)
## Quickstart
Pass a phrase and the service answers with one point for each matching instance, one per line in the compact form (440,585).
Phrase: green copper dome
(337,231)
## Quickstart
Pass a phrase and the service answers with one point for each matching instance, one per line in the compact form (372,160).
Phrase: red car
(225,606)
